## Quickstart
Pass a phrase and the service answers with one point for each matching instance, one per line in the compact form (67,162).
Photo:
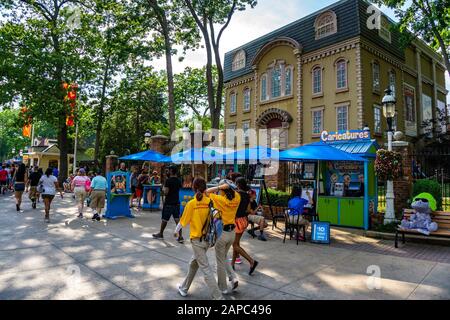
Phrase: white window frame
(291,70)
(313,111)
(344,62)
(346,106)
(238,60)
(247,100)
(246,132)
(319,27)
(376,76)
(233,98)
(263,95)
(377,108)
(272,86)
(232,126)
(314,69)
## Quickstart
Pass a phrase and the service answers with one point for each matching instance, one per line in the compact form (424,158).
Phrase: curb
(409,238)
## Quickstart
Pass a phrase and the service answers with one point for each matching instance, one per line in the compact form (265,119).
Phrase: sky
(250,24)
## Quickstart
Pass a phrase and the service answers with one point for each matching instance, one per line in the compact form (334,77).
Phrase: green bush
(388,228)
(430,186)
(277,198)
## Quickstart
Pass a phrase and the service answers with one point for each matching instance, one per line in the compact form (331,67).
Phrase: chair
(277,214)
(293,226)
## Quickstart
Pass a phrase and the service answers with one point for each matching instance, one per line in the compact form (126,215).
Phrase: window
(238,60)
(264,87)
(377,119)
(392,80)
(410,105)
(342,118)
(376,76)
(245,128)
(247,99)
(276,82)
(232,126)
(384,32)
(317,116)
(427,115)
(325,24)
(233,103)
(288,81)
(341,74)
(317,80)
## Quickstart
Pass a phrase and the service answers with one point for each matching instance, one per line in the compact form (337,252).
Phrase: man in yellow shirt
(195,214)
(227,201)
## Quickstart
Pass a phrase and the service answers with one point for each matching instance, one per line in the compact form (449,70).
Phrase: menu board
(309,171)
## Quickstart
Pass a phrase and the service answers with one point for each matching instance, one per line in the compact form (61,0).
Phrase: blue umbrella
(148,155)
(195,155)
(318,151)
(253,154)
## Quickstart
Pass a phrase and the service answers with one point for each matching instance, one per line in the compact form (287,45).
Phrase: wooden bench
(442,218)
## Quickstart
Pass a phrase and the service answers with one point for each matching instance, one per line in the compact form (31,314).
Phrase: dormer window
(384,31)
(325,25)
(238,60)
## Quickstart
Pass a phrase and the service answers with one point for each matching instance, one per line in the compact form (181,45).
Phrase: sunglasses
(421,199)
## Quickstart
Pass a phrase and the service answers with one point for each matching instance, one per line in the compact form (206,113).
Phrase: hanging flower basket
(388,165)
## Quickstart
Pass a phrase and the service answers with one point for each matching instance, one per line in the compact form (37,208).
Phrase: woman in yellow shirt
(195,214)
(227,202)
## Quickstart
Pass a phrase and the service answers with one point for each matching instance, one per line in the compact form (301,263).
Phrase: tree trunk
(170,82)
(138,122)
(100,111)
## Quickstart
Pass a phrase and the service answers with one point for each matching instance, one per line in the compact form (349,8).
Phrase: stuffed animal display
(423,204)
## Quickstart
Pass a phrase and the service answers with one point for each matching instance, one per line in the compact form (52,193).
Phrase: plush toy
(422,204)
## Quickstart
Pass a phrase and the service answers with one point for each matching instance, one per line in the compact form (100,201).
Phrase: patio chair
(277,214)
(293,226)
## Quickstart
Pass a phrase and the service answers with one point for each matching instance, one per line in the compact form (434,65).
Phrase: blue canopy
(318,151)
(253,154)
(195,155)
(148,155)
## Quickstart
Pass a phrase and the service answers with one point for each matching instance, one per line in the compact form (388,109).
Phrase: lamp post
(389,112)
(147,138)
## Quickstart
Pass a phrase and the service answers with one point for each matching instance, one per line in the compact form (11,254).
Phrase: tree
(10,136)
(428,19)
(207,15)
(191,91)
(174,26)
(39,52)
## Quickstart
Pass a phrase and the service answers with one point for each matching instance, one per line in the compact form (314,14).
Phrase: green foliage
(277,198)
(388,228)
(10,135)
(430,186)
(388,165)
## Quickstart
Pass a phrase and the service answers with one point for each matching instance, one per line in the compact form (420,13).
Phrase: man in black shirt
(33,182)
(171,203)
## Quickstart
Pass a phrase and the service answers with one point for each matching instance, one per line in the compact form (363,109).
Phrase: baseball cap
(82,170)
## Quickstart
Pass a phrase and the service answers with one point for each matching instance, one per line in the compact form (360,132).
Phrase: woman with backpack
(242,224)
(227,202)
(196,214)
(80,185)
(48,184)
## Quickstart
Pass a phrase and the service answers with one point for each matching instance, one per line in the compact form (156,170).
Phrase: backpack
(213,227)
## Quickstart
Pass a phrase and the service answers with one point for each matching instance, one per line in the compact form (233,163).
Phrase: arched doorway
(277,122)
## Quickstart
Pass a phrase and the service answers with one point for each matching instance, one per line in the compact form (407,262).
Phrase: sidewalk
(81,259)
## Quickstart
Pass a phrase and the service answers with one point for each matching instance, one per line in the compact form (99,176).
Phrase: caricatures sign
(349,174)
(326,136)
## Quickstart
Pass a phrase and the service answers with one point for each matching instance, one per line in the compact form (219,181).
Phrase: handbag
(40,188)
(87,185)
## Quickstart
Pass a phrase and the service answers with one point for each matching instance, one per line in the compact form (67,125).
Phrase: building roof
(352,18)
(363,147)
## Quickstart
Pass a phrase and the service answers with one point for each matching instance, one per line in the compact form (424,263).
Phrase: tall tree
(40,51)
(208,14)
(174,26)
(428,19)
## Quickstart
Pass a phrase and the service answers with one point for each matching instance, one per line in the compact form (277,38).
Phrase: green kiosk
(343,176)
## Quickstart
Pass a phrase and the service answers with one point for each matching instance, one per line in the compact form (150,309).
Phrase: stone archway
(275,119)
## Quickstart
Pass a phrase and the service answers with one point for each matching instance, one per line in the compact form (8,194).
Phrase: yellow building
(328,71)
(44,154)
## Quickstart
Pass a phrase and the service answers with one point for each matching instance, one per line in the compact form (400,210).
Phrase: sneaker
(17,207)
(255,264)
(158,236)
(47,219)
(225,292)
(80,216)
(262,237)
(96,217)
(252,233)
(180,239)
(181,291)
(238,261)
(235,284)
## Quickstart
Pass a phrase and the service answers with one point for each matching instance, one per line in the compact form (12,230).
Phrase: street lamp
(389,112)
(147,138)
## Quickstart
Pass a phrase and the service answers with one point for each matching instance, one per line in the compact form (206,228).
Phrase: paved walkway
(82,259)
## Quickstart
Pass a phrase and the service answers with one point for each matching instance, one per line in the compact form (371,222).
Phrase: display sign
(326,136)
(320,232)
(348,173)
